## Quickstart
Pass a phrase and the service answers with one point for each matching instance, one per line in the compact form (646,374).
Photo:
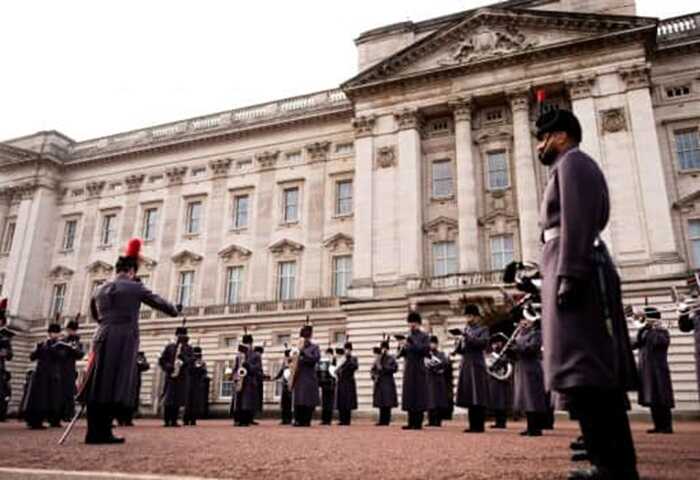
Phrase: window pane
(69,235)
(501,251)
(108,229)
(444,258)
(342,275)
(184,296)
(194,217)
(9,236)
(291,199)
(442,178)
(240,211)
(286,280)
(234,284)
(59,292)
(343,203)
(688,149)
(694,229)
(498,170)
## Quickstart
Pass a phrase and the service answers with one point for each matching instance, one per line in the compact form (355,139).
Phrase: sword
(70,426)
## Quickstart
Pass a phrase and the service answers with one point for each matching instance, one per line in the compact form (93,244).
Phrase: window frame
(691,241)
(63,286)
(108,229)
(146,223)
(502,237)
(339,212)
(181,288)
(240,282)
(286,206)
(279,293)
(346,275)
(448,260)
(447,179)
(64,240)
(8,239)
(235,218)
(490,154)
(189,210)
(694,152)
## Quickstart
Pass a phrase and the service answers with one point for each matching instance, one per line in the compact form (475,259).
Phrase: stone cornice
(235,251)
(286,245)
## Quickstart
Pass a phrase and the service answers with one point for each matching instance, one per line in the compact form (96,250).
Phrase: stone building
(409,186)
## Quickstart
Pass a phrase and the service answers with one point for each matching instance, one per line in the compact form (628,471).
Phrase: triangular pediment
(186,256)
(490,35)
(688,200)
(337,241)
(286,246)
(99,267)
(60,271)
(234,251)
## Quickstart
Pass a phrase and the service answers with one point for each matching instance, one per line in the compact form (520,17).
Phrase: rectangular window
(343,197)
(678,91)
(226,384)
(694,234)
(282,338)
(688,149)
(286,279)
(109,229)
(339,338)
(69,230)
(498,170)
(442,178)
(8,236)
(57,299)
(294,157)
(150,222)
(240,211)
(344,148)
(184,288)
(501,251)
(342,275)
(444,258)
(194,218)
(291,204)
(234,284)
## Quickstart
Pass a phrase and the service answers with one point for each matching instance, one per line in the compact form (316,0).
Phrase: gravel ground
(217,450)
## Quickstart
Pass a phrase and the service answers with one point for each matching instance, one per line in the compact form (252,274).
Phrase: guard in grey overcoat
(245,402)
(690,321)
(473,390)
(305,393)
(384,395)
(437,387)
(5,356)
(655,387)
(69,374)
(44,399)
(111,369)
(529,395)
(500,391)
(175,361)
(346,387)
(126,417)
(414,349)
(587,353)
(194,401)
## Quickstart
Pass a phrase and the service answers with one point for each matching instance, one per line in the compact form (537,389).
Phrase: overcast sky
(93,67)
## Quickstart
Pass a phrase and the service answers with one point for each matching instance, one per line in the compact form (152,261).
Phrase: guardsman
(44,400)
(587,352)
(69,374)
(384,395)
(5,356)
(414,349)
(326,380)
(194,401)
(655,387)
(247,372)
(305,387)
(346,387)
(689,320)
(285,393)
(126,417)
(472,391)
(437,388)
(529,394)
(260,350)
(500,391)
(175,361)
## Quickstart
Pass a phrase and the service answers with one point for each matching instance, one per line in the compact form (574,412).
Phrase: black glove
(568,292)
(178,307)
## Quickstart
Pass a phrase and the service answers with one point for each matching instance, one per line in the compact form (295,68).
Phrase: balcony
(679,28)
(457,280)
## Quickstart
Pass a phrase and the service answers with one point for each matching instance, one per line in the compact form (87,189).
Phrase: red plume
(3,304)
(133,248)
(541,96)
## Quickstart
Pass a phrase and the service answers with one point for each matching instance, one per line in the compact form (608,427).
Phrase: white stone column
(363,203)
(657,208)
(526,183)
(466,187)
(410,212)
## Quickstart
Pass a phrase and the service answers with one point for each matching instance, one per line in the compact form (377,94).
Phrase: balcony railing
(679,27)
(251,308)
(457,280)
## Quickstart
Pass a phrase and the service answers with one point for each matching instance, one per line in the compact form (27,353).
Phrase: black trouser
(500,418)
(244,417)
(327,400)
(415,418)
(344,416)
(286,407)
(99,422)
(170,415)
(302,415)
(477,418)
(535,421)
(663,420)
(602,415)
(33,420)
(3,410)
(435,417)
(384,416)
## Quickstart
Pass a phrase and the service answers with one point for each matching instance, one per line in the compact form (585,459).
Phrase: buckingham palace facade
(409,186)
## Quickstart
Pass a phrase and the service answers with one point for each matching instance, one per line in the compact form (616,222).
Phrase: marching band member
(260,350)
(305,393)
(655,389)
(125,418)
(69,374)
(175,362)
(587,353)
(472,392)
(529,394)
(44,399)
(448,412)
(384,393)
(414,349)
(689,321)
(194,400)
(346,388)
(286,393)
(437,388)
(5,356)
(500,391)
(244,401)
(327,383)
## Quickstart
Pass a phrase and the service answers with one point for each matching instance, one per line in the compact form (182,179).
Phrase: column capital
(408,119)
(134,181)
(519,99)
(461,108)
(363,125)
(581,86)
(636,76)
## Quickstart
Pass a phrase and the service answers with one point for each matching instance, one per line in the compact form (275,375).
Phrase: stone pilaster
(466,186)
(363,201)
(218,218)
(410,214)
(526,184)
